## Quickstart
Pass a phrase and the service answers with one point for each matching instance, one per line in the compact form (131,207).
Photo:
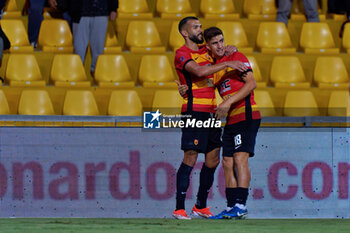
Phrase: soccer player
(193,66)
(242,124)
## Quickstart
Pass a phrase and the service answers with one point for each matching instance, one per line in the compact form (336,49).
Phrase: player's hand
(53,4)
(238,65)
(112,15)
(182,88)
(230,49)
(222,110)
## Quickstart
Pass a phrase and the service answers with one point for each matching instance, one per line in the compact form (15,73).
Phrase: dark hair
(211,32)
(185,20)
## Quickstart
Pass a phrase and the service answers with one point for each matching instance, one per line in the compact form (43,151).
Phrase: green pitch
(72,225)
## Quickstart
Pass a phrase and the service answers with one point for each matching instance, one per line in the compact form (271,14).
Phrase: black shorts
(202,140)
(240,137)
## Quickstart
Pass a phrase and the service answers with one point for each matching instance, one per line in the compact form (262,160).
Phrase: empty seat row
(128,103)
(272,37)
(111,71)
(287,72)
(303,103)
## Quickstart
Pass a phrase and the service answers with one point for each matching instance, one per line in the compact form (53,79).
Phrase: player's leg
(183,182)
(206,179)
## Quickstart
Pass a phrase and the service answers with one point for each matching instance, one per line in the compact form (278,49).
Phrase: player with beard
(195,69)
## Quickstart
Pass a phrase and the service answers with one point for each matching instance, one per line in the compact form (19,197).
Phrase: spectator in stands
(90,21)
(284,6)
(340,7)
(35,16)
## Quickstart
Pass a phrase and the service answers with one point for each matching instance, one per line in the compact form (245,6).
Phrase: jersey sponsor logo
(225,86)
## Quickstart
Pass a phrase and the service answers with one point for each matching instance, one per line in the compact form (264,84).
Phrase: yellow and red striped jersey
(200,96)
(228,82)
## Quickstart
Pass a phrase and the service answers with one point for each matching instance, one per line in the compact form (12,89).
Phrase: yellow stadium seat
(346,38)
(112,71)
(143,37)
(218,9)
(55,36)
(80,103)
(11,10)
(35,102)
(4,106)
(174,9)
(339,104)
(235,35)
(316,38)
(125,103)
(330,72)
(111,44)
(155,71)
(175,38)
(265,104)
(273,37)
(23,70)
(17,35)
(130,9)
(167,101)
(68,71)
(300,103)
(260,9)
(256,72)
(287,72)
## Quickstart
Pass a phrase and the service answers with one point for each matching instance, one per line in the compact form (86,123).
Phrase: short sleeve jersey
(229,81)
(200,96)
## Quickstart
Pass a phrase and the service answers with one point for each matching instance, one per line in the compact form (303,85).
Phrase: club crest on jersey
(225,86)
(196,142)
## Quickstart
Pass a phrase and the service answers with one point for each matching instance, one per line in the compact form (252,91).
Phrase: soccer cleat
(237,212)
(205,212)
(219,216)
(181,214)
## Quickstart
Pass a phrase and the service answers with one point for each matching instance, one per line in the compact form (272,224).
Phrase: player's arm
(248,87)
(203,71)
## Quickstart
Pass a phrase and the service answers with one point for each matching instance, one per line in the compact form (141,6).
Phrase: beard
(196,39)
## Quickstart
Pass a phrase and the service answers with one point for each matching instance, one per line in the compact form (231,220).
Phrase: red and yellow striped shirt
(229,81)
(200,96)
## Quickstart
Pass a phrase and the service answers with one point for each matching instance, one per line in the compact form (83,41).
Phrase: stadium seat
(174,9)
(273,38)
(260,9)
(339,104)
(68,71)
(175,38)
(167,101)
(218,9)
(300,103)
(80,103)
(17,35)
(155,71)
(111,44)
(256,72)
(346,38)
(265,104)
(143,37)
(4,106)
(235,35)
(316,38)
(11,10)
(23,70)
(55,36)
(330,72)
(125,103)
(287,72)
(35,102)
(131,9)
(112,71)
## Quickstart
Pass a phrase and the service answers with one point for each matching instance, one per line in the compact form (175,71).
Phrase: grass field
(73,225)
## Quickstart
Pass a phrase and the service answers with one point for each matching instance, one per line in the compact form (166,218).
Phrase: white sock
(241,206)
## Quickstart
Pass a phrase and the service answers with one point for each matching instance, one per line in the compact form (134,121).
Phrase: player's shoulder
(238,55)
